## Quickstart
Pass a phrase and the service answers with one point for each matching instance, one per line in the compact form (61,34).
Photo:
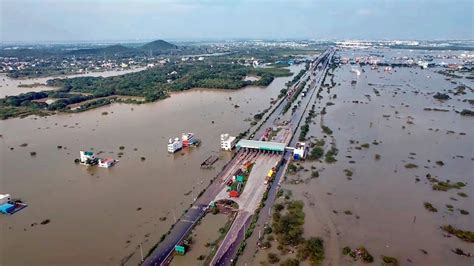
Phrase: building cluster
(76,65)
(450,61)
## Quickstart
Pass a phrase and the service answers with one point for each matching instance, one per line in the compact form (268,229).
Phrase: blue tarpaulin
(7,208)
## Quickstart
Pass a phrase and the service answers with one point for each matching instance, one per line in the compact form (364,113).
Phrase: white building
(86,155)
(174,145)
(106,163)
(227,142)
(299,152)
(4,198)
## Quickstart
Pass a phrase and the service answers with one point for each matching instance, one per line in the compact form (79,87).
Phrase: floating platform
(209,162)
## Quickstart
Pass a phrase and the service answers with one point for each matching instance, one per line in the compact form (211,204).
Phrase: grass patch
(316,153)
(430,207)
(348,172)
(447,185)
(467,236)
(411,165)
(330,155)
(365,145)
(389,261)
(326,130)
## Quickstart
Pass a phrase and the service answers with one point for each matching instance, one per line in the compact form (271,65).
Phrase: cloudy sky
(97,20)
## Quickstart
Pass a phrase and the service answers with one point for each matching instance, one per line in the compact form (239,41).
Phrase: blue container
(296,157)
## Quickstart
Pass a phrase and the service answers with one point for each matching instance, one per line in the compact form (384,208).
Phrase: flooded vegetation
(94,210)
(394,159)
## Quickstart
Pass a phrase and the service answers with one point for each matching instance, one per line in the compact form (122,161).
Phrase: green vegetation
(411,165)
(348,172)
(463,212)
(447,185)
(303,132)
(273,258)
(288,228)
(389,261)
(313,249)
(462,194)
(467,236)
(326,130)
(152,84)
(360,252)
(290,262)
(365,145)
(330,155)
(430,207)
(319,142)
(346,251)
(316,153)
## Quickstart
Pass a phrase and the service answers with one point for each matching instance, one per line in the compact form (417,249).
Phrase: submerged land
(390,155)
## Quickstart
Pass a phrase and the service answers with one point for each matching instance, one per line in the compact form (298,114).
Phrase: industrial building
(261,145)
(227,142)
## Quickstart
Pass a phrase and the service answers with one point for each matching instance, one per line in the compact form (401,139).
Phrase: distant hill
(159,46)
(156,47)
(108,50)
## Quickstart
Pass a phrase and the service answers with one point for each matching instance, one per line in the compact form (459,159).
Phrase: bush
(313,249)
(389,260)
(290,262)
(316,153)
(430,207)
(326,130)
(346,250)
(273,258)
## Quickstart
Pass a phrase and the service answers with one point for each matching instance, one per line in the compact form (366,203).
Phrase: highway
(229,246)
(162,254)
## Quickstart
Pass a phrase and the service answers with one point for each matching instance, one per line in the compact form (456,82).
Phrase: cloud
(365,12)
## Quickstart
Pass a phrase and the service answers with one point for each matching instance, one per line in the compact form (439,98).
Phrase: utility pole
(174,216)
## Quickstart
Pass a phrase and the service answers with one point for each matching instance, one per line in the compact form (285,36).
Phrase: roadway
(162,254)
(229,250)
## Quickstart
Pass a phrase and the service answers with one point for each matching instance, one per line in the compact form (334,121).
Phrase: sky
(114,20)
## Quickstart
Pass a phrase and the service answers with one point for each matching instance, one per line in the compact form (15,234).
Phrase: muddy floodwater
(203,238)
(12,87)
(385,200)
(99,216)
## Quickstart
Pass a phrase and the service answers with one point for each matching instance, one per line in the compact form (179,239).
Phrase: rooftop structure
(261,145)
(4,198)
(227,142)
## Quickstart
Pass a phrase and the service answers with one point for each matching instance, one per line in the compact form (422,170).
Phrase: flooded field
(389,147)
(99,216)
(204,237)
(11,87)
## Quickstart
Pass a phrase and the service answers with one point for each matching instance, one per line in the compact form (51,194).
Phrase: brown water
(205,233)
(9,86)
(93,211)
(384,194)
